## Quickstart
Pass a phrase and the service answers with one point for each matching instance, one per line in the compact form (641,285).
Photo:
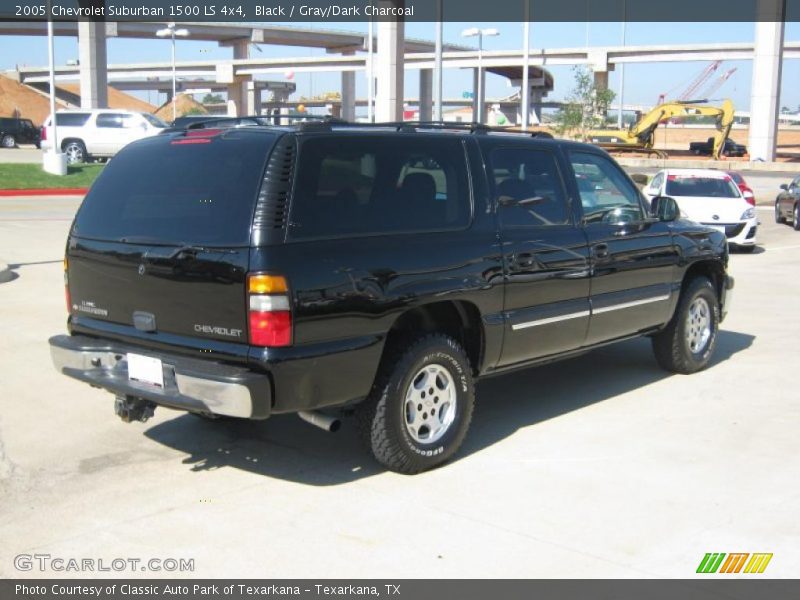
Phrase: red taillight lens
(44,133)
(271,329)
(269,315)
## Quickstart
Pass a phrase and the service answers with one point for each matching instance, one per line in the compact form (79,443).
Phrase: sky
(643,82)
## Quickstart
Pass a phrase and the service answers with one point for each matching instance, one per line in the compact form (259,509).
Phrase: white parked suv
(712,198)
(98,133)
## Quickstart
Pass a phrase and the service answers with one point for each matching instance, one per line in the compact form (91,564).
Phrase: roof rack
(327,122)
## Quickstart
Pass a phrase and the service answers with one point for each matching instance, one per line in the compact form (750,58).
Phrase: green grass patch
(32,176)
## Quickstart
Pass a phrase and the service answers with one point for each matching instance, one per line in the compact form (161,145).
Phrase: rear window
(163,192)
(71,119)
(366,185)
(710,187)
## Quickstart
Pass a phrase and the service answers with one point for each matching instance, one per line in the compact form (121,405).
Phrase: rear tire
(796,214)
(399,422)
(8,141)
(687,343)
(76,152)
(747,249)
(779,218)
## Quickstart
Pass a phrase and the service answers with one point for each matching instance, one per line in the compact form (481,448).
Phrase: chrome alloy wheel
(698,325)
(430,406)
(74,152)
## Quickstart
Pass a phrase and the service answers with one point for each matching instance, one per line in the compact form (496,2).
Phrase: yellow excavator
(640,137)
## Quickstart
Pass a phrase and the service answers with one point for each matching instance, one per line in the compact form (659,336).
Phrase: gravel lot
(601,466)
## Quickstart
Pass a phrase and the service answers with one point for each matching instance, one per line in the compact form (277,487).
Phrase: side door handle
(600,250)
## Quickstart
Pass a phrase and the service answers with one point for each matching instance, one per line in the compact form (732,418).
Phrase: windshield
(154,121)
(167,191)
(709,187)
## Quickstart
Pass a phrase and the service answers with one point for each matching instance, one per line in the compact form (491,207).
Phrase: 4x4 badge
(141,269)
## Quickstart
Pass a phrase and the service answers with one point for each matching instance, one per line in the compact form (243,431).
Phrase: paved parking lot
(601,466)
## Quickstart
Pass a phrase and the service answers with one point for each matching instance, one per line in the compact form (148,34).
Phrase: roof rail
(327,122)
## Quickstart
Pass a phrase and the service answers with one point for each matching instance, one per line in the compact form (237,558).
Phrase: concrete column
(348,110)
(601,80)
(766,82)
(475,118)
(92,55)
(426,94)
(253,98)
(389,67)
(237,89)
(535,109)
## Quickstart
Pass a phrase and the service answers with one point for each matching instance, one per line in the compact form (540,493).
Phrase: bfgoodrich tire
(687,343)
(421,405)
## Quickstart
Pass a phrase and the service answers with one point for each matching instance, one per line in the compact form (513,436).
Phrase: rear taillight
(44,133)
(748,195)
(66,286)
(269,311)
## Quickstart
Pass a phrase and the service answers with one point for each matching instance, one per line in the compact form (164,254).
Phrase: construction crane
(640,137)
(695,84)
(717,83)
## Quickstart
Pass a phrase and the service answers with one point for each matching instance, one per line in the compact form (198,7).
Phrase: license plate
(719,228)
(145,370)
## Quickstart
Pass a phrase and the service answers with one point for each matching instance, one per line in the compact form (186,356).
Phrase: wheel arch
(459,319)
(712,270)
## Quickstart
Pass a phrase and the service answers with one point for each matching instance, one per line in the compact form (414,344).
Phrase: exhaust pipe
(326,422)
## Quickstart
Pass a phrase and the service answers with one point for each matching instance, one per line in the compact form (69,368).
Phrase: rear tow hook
(131,408)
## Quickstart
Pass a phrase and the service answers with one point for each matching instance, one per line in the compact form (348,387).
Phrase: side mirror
(784,187)
(664,208)
(639,178)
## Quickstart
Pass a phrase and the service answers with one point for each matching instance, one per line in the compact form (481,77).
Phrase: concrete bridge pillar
(237,87)
(93,63)
(348,111)
(426,94)
(389,66)
(766,83)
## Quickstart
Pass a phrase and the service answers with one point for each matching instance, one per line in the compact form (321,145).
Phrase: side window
(366,185)
(607,196)
(112,120)
(531,176)
(71,119)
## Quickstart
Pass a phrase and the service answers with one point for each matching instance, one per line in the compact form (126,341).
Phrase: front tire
(421,406)
(8,141)
(687,343)
(796,216)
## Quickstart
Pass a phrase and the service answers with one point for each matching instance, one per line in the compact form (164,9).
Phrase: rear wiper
(182,247)
(192,249)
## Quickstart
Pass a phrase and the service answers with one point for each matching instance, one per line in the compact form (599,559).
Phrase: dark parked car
(330,269)
(18,131)
(787,204)
(730,148)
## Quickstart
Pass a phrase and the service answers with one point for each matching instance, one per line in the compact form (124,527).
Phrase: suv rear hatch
(161,242)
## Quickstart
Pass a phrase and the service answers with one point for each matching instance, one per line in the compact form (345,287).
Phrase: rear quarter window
(71,119)
(368,185)
(162,192)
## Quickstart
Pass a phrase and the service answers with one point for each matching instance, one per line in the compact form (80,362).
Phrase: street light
(472,32)
(170,32)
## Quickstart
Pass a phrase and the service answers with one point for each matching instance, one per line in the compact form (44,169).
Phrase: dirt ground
(676,139)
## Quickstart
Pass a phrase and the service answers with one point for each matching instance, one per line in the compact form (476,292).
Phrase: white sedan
(709,197)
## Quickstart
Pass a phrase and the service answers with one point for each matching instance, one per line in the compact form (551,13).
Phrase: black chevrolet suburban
(15,131)
(332,269)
